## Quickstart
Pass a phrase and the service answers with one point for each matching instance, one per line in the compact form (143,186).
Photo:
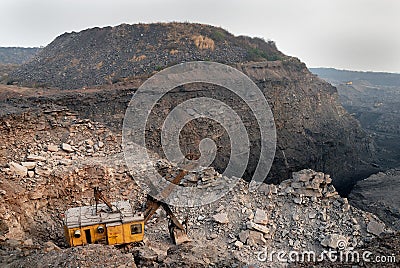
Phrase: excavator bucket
(177,231)
(179,236)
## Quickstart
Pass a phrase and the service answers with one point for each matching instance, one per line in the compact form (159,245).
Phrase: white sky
(345,34)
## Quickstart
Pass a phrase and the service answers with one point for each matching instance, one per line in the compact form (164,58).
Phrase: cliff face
(313,130)
(373,98)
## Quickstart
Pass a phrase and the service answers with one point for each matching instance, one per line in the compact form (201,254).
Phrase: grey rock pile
(303,213)
(113,54)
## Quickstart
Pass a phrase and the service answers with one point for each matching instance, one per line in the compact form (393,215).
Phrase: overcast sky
(345,34)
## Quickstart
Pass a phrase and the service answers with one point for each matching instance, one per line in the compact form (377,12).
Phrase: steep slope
(313,129)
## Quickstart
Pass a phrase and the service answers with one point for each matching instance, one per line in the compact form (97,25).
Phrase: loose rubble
(88,256)
(221,218)
(302,213)
(58,158)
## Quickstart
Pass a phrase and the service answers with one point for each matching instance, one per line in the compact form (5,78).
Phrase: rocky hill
(107,55)
(5,69)
(313,129)
(17,55)
(12,57)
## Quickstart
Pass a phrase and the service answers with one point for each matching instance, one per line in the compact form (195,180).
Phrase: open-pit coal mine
(61,123)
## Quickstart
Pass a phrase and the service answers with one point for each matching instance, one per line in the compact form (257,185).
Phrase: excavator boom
(177,231)
(98,195)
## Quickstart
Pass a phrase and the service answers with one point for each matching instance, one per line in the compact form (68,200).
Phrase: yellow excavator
(116,223)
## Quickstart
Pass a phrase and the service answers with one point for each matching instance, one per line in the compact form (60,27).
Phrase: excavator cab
(101,225)
(116,223)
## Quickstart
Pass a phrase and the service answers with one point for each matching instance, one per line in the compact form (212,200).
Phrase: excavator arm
(98,195)
(177,231)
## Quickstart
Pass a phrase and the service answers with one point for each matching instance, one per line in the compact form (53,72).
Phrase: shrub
(218,35)
(255,54)
(158,68)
